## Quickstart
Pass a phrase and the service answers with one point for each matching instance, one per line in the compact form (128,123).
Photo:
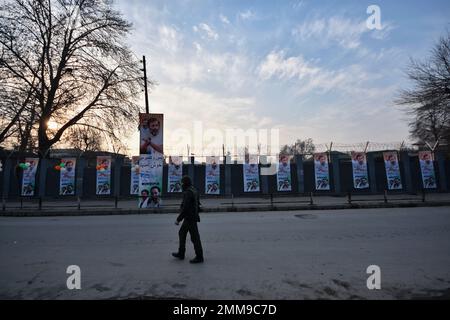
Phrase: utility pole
(145,84)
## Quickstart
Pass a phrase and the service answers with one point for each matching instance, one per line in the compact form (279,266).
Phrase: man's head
(322,159)
(154,126)
(360,158)
(69,165)
(284,159)
(186,182)
(144,193)
(154,192)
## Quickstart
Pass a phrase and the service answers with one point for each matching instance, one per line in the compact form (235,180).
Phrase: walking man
(190,216)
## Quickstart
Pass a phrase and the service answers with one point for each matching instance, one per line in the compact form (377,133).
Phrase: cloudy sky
(310,68)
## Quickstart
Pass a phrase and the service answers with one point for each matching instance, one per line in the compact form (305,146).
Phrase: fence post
(311,202)
(44,164)
(349,196)
(118,162)
(385,196)
(81,164)
(372,173)
(300,173)
(227,171)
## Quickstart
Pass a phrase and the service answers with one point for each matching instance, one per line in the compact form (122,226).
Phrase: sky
(312,69)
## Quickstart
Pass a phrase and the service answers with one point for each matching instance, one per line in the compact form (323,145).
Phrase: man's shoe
(196,260)
(178,255)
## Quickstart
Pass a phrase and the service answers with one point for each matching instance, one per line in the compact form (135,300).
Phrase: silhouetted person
(190,216)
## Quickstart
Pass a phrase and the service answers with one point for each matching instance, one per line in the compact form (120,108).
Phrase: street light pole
(145,85)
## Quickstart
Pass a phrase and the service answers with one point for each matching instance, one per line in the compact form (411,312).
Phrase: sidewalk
(31,207)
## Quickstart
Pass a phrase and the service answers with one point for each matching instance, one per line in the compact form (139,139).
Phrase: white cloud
(169,39)
(247,15)
(224,19)
(207,31)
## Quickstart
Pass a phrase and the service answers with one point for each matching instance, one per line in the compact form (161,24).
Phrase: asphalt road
(268,255)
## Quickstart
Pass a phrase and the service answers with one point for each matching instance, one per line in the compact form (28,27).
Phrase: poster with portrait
(134,175)
(29,177)
(67,177)
(103,175)
(150,174)
(212,175)
(174,175)
(284,180)
(360,173)
(321,171)
(151,129)
(394,180)
(427,170)
(251,174)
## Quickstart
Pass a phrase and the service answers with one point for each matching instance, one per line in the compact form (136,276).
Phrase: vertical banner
(284,174)
(392,166)
(360,174)
(251,174)
(150,174)
(103,175)
(212,175)
(151,134)
(29,176)
(321,171)
(175,172)
(67,177)
(134,176)
(427,170)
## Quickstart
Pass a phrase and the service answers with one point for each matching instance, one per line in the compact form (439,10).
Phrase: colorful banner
(321,171)
(212,175)
(150,173)
(360,174)
(103,175)
(251,174)
(29,177)
(67,177)
(392,166)
(151,133)
(134,175)
(427,170)
(175,173)
(284,174)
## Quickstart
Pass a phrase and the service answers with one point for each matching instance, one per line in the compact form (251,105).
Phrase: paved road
(276,255)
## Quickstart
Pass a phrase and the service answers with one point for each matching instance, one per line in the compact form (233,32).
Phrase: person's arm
(184,207)
(157,147)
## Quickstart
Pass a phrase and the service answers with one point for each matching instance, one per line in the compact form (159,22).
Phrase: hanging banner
(67,177)
(251,174)
(321,171)
(212,175)
(427,170)
(103,175)
(284,174)
(392,166)
(360,174)
(29,176)
(134,176)
(151,133)
(175,172)
(150,174)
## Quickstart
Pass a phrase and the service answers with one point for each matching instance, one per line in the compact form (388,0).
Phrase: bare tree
(66,64)
(299,147)
(429,99)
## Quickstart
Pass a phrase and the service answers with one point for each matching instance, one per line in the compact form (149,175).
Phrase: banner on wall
(427,170)
(151,129)
(103,175)
(251,174)
(150,174)
(134,176)
(67,177)
(321,171)
(284,180)
(29,177)
(175,173)
(394,180)
(360,174)
(212,175)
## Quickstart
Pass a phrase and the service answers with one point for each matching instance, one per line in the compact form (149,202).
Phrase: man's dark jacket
(190,206)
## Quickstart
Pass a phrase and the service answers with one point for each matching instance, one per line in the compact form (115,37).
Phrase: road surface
(267,255)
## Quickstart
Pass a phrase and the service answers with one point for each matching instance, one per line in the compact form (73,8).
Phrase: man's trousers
(192,228)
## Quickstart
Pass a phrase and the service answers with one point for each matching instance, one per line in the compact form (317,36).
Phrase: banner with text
(29,177)
(284,180)
(175,173)
(151,129)
(67,177)
(212,175)
(394,180)
(321,171)
(134,175)
(150,174)
(360,174)
(251,174)
(103,175)
(427,170)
